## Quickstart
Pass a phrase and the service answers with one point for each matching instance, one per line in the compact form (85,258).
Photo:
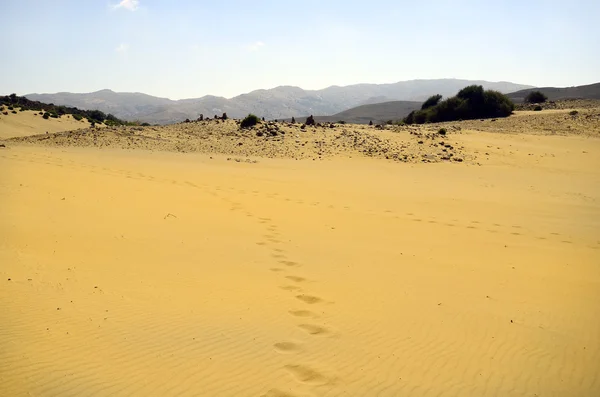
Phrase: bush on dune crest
(56,111)
(472,102)
(249,121)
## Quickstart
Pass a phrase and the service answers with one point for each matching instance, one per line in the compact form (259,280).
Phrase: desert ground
(202,260)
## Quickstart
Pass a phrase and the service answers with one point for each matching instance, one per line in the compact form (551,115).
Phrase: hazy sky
(184,48)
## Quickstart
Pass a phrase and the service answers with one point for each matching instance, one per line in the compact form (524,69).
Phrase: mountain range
(589,91)
(276,103)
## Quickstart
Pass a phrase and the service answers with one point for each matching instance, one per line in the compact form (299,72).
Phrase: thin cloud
(130,5)
(122,48)
(255,46)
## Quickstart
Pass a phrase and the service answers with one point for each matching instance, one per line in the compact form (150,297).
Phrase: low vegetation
(536,97)
(54,111)
(250,121)
(472,102)
(431,101)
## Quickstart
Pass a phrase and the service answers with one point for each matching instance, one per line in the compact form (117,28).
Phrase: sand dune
(157,273)
(29,122)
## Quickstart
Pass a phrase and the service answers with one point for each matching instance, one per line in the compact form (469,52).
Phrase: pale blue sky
(185,49)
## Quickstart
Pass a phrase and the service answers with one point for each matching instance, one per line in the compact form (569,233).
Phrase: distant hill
(590,91)
(378,113)
(277,103)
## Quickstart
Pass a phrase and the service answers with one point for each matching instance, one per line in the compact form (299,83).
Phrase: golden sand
(162,274)
(29,122)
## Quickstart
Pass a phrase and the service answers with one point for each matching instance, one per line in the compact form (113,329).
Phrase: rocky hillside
(277,103)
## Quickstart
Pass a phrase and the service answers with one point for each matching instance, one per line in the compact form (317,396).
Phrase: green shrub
(96,116)
(145,124)
(472,102)
(442,131)
(536,97)
(573,112)
(54,115)
(78,117)
(46,116)
(249,121)
(431,101)
(537,108)
(224,117)
(310,120)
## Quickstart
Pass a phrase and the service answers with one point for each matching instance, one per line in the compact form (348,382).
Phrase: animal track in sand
(287,347)
(296,279)
(309,299)
(290,263)
(290,287)
(313,329)
(308,375)
(278,393)
(302,313)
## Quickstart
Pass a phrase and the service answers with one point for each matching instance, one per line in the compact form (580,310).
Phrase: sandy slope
(29,122)
(156,273)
